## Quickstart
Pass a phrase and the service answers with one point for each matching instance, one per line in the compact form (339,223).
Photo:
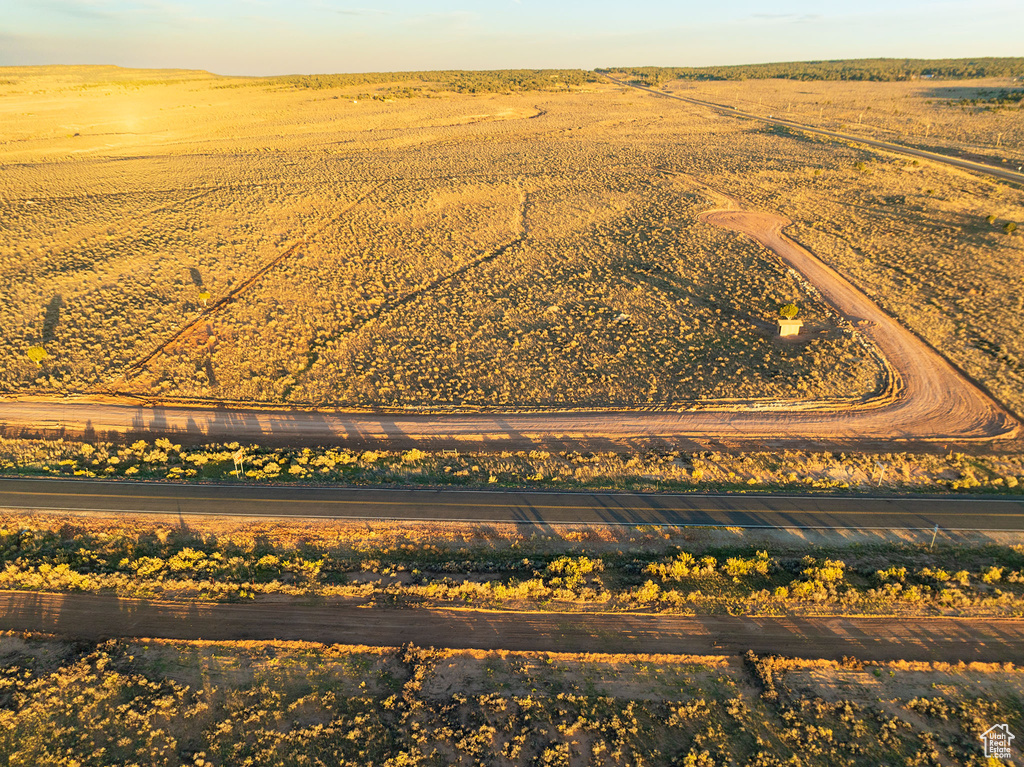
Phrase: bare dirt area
(100,617)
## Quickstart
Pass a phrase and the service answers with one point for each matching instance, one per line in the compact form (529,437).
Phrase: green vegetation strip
(878,70)
(666,470)
(649,568)
(456,81)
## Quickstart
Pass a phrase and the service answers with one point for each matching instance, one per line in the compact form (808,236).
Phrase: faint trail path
(229,297)
(85,233)
(97,617)
(519,233)
(925,398)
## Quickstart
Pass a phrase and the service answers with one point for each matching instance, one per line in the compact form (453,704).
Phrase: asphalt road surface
(1005,174)
(98,617)
(486,506)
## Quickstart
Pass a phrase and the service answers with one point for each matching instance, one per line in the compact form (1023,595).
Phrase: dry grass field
(978,117)
(938,248)
(161,702)
(539,249)
(425,251)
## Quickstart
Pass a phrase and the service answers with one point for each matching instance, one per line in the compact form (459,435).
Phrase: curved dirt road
(926,399)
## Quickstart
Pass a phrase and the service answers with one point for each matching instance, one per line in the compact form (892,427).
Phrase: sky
(262,37)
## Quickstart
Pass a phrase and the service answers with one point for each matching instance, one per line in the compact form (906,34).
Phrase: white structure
(997,742)
(789,327)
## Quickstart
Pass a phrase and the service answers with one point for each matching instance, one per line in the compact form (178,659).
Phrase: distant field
(980,118)
(402,245)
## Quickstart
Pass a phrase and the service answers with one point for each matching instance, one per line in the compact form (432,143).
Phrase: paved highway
(536,507)
(1006,174)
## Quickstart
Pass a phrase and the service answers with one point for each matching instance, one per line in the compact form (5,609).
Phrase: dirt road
(1004,174)
(93,617)
(927,399)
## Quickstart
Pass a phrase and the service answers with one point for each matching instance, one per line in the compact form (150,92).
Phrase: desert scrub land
(926,250)
(285,241)
(281,241)
(935,247)
(963,107)
(978,119)
(236,703)
(646,471)
(513,567)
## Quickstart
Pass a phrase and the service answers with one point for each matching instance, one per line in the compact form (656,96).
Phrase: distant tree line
(842,69)
(987,100)
(489,81)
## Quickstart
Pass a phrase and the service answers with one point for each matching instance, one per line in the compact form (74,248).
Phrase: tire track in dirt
(228,298)
(517,225)
(98,617)
(313,352)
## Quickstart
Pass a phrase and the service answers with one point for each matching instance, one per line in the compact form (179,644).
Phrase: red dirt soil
(97,617)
